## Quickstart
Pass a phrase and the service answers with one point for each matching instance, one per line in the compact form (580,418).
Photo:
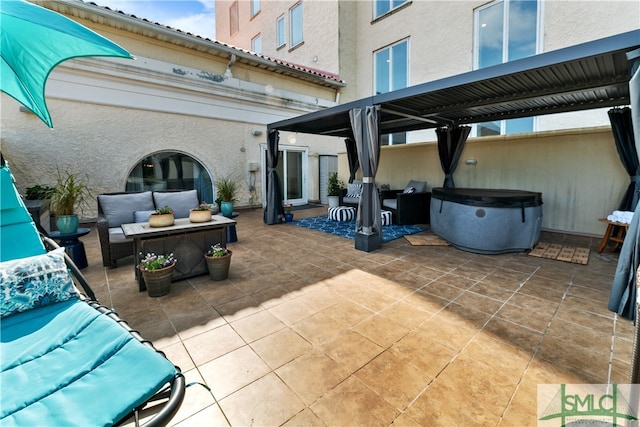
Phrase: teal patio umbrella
(33,40)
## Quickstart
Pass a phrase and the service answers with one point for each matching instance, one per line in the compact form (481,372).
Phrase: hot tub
(487,221)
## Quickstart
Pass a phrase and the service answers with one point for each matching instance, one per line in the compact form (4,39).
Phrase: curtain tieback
(367,180)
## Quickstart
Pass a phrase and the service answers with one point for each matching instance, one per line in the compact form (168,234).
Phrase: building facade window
(506,30)
(256,44)
(171,171)
(234,19)
(255,7)
(280,35)
(295,25)
(381,7)
(391,72)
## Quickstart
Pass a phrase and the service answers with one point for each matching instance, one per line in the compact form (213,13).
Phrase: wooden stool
(615,233)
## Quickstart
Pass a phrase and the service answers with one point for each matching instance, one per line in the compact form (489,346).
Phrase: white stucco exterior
(110,113)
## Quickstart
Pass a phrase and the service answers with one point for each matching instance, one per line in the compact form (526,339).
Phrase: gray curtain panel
(622,129)
(451,141)
(274,211)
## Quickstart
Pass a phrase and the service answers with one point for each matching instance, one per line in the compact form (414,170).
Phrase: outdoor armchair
(410,205)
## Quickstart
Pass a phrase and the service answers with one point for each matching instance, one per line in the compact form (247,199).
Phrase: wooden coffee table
(188,241)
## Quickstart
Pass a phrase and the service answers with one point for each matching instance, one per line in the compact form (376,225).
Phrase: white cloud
(197,16)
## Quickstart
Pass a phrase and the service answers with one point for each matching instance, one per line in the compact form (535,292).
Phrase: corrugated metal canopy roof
(590,75)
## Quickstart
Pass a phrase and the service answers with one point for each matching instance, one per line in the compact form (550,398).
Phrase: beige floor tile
(233,371)
(393,378)
(351,350)
(273,403)
(477,323)
(257,325)
(304,418)
(381,330)
(318,328)
(352,403)
(280,347)
(212,344)
(311,375)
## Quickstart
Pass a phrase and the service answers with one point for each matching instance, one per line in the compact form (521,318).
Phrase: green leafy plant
(70,192)
(163,210)
(334,184)
(40,192)
(226,188)
(287,208)
(218,251)
(152,262)
(204,206)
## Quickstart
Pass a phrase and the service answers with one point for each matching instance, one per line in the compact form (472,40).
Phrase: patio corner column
(368,235)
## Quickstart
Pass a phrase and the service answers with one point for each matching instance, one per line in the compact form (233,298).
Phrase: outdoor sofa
(115,209)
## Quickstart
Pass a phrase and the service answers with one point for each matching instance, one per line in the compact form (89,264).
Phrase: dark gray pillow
(419,186)
(119,208)
(180,201)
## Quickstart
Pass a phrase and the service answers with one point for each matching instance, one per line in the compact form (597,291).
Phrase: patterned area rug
(426,239)
(347,229)
(561,253)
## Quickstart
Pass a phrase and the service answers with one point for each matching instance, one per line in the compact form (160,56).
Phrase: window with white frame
(255,7)
(381,7)
(295,25)
(234,19)
(256,44)
(391,72)
(506,30)
(280,34)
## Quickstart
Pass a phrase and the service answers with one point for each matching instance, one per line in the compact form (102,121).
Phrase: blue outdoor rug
(347,229)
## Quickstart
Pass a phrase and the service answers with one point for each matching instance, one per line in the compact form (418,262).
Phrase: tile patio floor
(309,331)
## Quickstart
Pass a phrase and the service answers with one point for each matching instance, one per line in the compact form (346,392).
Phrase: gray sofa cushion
(180,201)
(142,216)
(119,208)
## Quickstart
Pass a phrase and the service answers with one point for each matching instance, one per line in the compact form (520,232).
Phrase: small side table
(231,230)
(73,246)
(616,231)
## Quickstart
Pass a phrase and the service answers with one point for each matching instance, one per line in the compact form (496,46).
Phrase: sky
(194,16)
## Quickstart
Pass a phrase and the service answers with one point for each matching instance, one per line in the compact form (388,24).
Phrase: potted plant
(288,214)
(162,217)
(200,214)
(69,192)
(218,259)
(226,189)
(334,185)
(157,272)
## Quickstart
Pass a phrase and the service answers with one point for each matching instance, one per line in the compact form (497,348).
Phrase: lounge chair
(66,359)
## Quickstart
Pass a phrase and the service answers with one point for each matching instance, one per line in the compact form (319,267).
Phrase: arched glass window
(171,171)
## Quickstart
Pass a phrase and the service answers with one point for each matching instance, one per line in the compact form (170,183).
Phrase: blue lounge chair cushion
(68,364)
(33,282)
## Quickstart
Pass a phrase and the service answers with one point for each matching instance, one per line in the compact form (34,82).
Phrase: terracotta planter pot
(161,220)
(158,282)
(218,266)
(199,216)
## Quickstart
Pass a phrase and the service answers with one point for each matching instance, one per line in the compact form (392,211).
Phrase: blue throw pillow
(33,282)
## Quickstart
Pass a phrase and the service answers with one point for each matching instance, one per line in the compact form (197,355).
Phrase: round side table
(73,246)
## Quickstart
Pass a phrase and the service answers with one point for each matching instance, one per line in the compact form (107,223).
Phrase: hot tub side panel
(487,230)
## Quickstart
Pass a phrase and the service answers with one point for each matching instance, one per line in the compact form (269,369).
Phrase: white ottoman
(385,216)
(342,213)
